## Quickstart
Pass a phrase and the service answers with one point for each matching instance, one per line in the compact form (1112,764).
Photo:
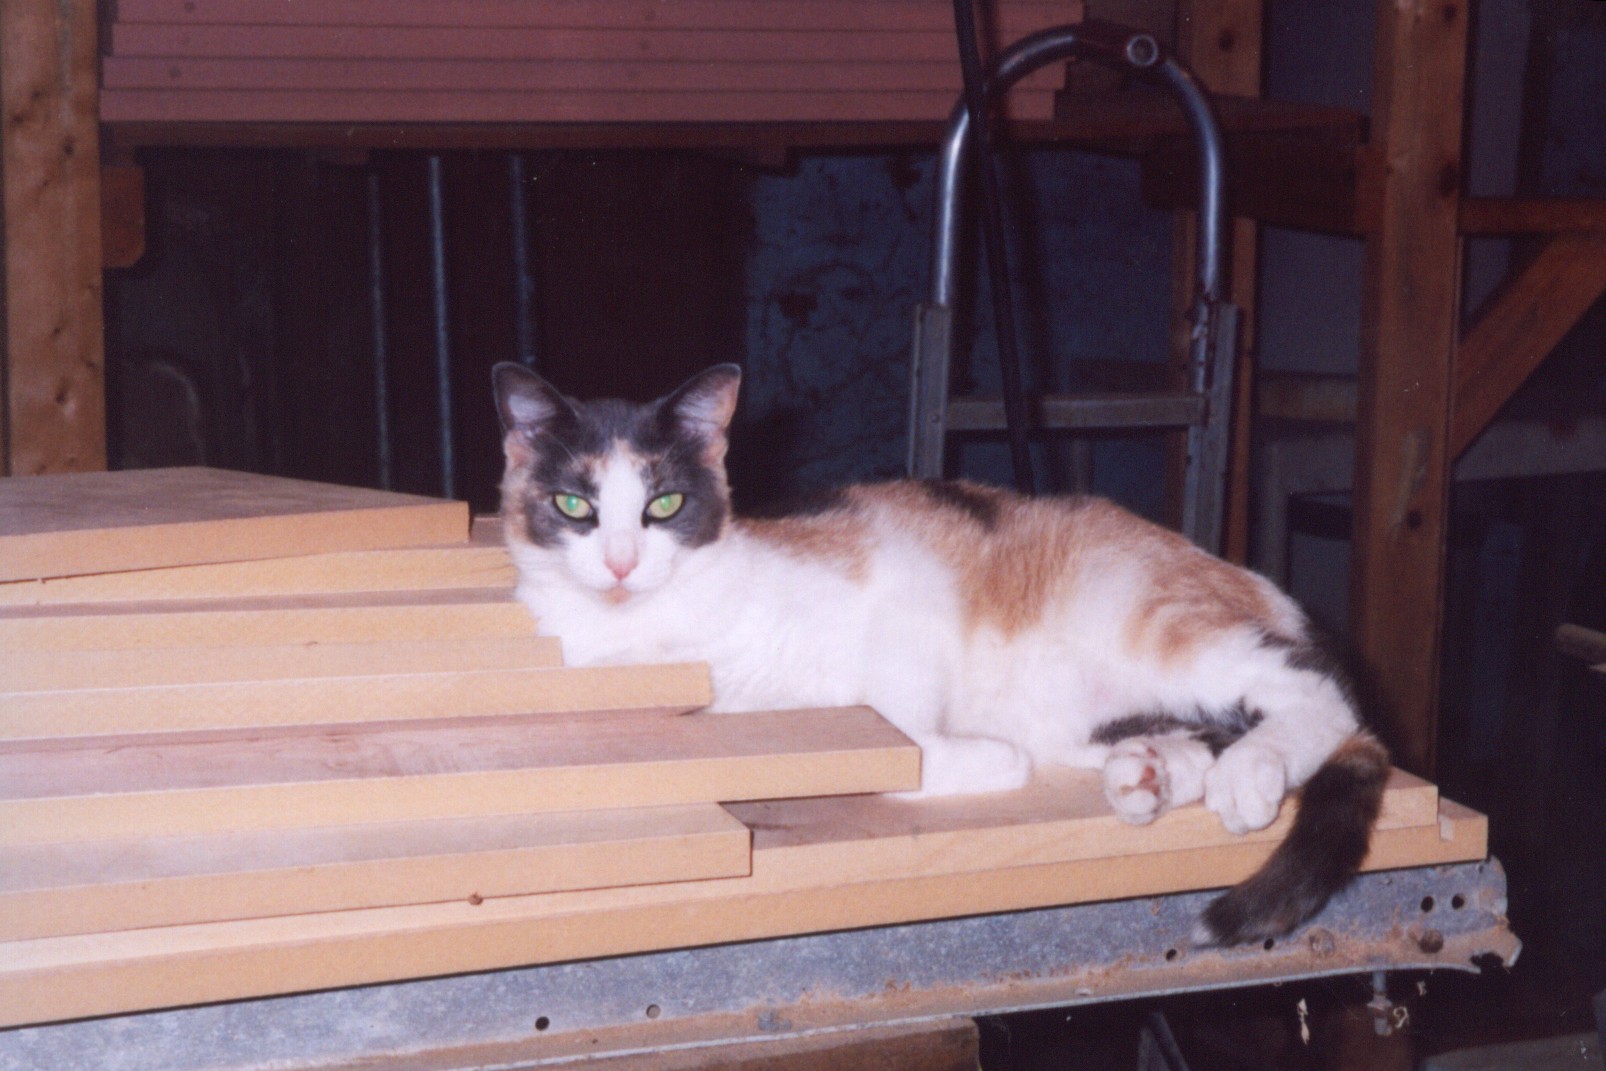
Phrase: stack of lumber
(213,796)
(517,61)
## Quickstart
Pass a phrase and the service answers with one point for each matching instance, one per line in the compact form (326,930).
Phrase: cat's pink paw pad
(1245,787)
(1136,782)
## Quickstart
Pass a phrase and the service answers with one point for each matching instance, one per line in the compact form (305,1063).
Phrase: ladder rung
(1083,411)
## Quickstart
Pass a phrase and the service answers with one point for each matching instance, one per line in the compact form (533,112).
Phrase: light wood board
(395,697)
(481,563)
(356,618)
(53,889)
(41,671)
(97,522)
(105,788)
(794,888)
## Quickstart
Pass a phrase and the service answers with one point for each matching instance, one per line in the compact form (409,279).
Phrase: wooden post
(1220,42)
(1408,337)
(51,359)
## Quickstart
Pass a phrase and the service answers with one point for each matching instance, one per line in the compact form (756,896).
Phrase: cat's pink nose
(620,567)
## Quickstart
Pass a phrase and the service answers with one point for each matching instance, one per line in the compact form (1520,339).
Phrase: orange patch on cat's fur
(835,537)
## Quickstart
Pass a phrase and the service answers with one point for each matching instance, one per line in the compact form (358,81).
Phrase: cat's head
(612,493)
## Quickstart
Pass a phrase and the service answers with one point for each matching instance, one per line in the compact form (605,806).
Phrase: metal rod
(381,341)
(443,340)
(523,276)
(1114,44)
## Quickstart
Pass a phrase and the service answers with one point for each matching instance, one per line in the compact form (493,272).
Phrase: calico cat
(999,632)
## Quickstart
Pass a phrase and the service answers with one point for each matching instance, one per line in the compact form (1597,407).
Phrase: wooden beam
(358,618)
(1408,335)
(1532,215)
(42,671)
(52,360)
(387,697)
(96,522)
(844,864)
(1221,42)
(1520,327)
(99,886)
(162,784)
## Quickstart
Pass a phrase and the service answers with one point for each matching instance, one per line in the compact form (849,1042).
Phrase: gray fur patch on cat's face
(558,446)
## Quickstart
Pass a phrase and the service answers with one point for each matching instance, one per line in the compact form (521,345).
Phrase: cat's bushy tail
(1331,833)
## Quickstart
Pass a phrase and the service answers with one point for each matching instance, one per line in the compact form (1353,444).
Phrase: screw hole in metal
(1457,902)
(1428,904)
(654,1011)
(1270,944)
(1171,954)
(542,1023)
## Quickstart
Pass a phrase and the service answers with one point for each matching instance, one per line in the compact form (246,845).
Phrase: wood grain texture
(458,41)
(615,14)
(96,522)
(482,562)
(1409,326)
(103,788)
(794,888)
(500,106)
(334,75)
(51,347)
(1519,328)
(45,671)
(370,697)
(1531,215)
(98,886)
(355,618)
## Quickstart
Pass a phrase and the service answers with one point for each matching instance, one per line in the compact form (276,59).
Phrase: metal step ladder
(1203,407)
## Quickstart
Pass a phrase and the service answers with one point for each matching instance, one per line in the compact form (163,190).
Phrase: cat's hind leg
(1145,776)
(963,765)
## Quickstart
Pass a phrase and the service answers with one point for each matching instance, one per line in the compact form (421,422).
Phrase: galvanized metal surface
(1424,918)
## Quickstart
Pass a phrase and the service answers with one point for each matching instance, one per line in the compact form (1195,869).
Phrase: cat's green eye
(572,506)
(665,506)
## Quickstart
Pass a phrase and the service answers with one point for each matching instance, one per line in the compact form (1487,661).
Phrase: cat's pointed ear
(527,405)
(704,405)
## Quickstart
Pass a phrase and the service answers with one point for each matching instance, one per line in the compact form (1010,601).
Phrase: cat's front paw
(1246,787)
(1136,782)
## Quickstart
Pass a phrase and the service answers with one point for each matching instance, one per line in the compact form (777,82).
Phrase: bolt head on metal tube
(1142,50)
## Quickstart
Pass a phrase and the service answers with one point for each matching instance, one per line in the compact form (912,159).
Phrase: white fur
(782,630)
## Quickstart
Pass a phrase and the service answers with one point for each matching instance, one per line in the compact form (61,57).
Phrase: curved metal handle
(1110,44)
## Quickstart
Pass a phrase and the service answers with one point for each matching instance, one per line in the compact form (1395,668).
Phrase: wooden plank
(481,563)
(1531,215)
(794,888)
(394,697)
(1408,333)
(53,405)
(96,522)
(1519,328)
(175,74)
(97,886)
(580,14)
(43,671)
(376,106)
(357,618)
(104,788)
(494,43)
